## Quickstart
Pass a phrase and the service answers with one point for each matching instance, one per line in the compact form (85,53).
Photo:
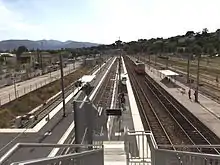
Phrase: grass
(26,103)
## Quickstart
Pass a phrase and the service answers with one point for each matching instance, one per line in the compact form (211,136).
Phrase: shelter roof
(168,73)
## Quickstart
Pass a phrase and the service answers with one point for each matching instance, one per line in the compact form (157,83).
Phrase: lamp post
(188,69)
(15,88)
(62,85)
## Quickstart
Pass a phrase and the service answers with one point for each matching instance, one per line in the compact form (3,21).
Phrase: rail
(209,84)
(153,121)
(173,116)
(192,130)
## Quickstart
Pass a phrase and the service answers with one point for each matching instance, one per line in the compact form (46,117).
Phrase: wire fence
(17,91)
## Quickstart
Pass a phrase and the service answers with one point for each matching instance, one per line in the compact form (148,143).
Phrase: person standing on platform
(195,95)
(189,93)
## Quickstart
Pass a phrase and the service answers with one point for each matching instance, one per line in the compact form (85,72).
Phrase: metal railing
(84,158)
(141,148)
(20,91)
(85,155)
(137,147)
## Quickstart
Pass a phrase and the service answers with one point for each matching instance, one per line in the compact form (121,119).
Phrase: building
(38,59)
(8,58)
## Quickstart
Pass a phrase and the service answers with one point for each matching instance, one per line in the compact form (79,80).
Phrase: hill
(43,44)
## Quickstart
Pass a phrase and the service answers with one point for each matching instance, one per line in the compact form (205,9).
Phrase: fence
(88,154)
(16,91)
(140,151)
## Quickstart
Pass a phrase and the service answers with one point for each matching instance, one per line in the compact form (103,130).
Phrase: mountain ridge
(43,44)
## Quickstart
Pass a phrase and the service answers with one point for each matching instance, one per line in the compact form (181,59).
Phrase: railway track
(101,99)
(103,96)
(208,88)
(47,108)
(170,122)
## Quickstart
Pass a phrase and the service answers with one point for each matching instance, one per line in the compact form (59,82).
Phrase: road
(57,125)
(7,94)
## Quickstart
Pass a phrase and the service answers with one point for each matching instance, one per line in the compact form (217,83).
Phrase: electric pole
(197,83)
(74,63)
(188,68)
(167,59)
(62,85)
(14,82)
(149,61)
(155,60)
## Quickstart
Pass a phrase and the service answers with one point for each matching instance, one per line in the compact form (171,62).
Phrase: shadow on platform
(169,83)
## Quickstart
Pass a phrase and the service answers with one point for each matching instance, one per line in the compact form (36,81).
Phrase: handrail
(58,158)
(192,146)
(26,145)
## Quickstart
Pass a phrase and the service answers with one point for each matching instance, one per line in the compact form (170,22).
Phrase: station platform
(207,110)
(132,145)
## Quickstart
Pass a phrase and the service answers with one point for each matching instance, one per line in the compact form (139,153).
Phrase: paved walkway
(7,94)
(207,111)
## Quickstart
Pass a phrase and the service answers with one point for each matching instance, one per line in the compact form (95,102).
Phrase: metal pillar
(167,59)
(90,117)
(77,124)
(62,85)
(15,87)
(188,68)
(119,74)
(197,83)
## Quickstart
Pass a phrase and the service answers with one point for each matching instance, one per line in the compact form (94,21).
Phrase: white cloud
(108,19)
(156,18)
(12,23)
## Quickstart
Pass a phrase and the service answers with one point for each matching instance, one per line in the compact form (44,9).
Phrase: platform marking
(62,140)
(110,118)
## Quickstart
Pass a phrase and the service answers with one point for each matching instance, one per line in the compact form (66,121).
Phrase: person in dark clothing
(195,96)
(189,93)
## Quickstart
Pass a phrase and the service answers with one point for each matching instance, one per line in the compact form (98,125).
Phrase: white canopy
(87,78)
(168,73)
(7,55)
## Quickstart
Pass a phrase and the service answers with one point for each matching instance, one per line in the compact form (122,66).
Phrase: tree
(197,50)
(118,43)
(20,50)
(190,33)
(1,60)
(205,31)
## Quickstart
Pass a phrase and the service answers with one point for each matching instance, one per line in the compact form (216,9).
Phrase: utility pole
(62,85)
(119,73)
(149,61)
(155,60)
(197,83)
(167,59)
(41,59)
(15,88)
(188,68)
(74,63)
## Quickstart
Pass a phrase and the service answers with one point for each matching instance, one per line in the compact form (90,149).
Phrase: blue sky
(103,21)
